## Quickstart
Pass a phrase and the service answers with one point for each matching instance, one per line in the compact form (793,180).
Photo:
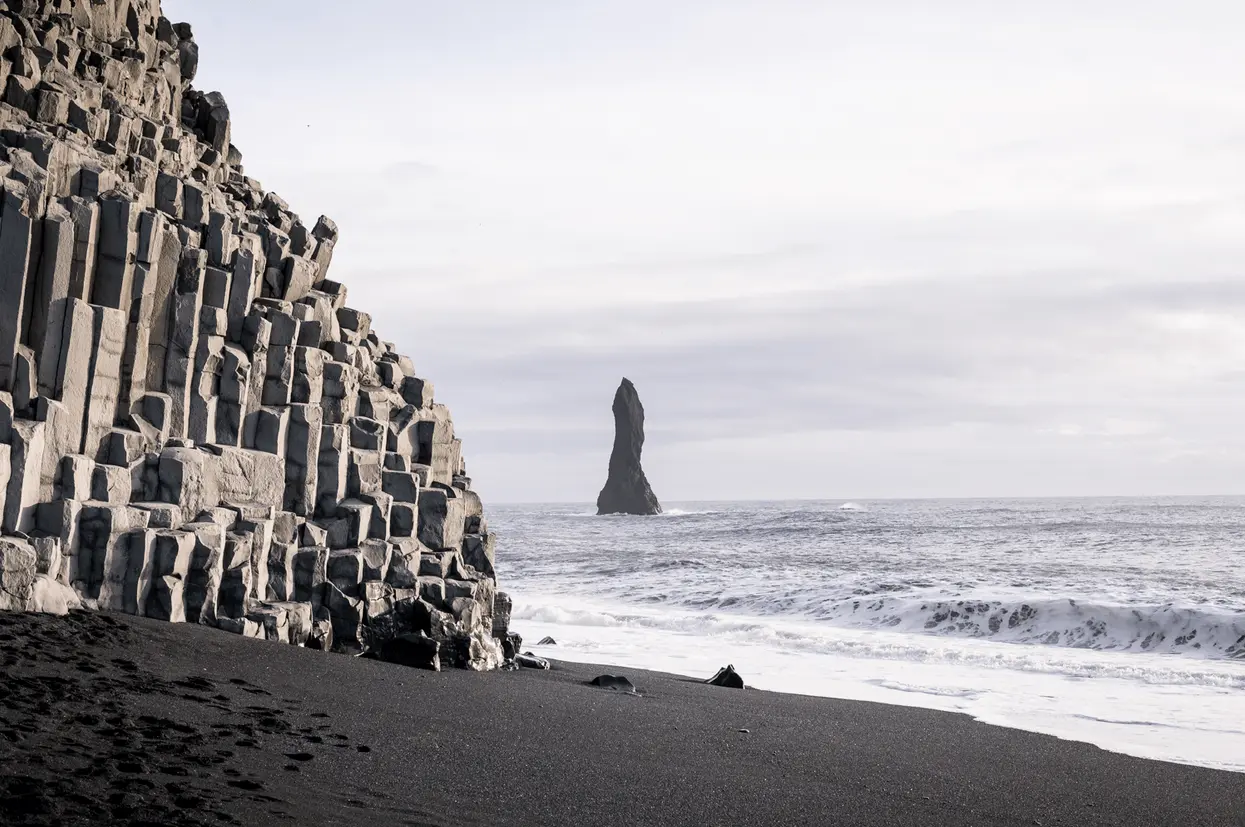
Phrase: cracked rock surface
(195,425)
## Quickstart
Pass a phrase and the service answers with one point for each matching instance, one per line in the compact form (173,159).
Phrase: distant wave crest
(1166,629)
(782,635)
(1057,622)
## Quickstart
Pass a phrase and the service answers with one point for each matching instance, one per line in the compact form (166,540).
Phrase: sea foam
(1117,622)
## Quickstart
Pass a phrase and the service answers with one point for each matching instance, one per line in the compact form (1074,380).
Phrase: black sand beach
(116,720)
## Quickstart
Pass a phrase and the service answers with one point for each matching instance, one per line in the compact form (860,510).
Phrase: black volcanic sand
(113,720)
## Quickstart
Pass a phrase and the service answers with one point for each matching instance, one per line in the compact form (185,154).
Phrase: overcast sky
(844,250)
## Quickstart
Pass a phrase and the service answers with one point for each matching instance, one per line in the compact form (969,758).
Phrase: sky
(843,250)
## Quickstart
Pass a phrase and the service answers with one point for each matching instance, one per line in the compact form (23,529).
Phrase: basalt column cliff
(194,425)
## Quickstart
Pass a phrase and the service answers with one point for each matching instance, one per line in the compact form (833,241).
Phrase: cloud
(1024,356)
(884,248)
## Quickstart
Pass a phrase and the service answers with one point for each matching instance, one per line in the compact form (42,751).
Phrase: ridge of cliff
(194,424)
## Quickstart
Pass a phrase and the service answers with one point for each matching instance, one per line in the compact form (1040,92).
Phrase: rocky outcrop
(616,683)
(194,424)
(728,677)
(627,490)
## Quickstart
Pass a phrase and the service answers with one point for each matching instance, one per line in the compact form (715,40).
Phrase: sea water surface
(1120,622)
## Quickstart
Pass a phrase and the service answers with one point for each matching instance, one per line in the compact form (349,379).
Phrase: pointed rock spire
(627,490)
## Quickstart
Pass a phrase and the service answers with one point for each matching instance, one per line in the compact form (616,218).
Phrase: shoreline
(1145,705)
(580,665)
(187,725)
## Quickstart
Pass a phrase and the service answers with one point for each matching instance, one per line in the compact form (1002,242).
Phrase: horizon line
(898,499)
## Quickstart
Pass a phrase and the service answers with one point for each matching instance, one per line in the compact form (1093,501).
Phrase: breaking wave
(1120,622)
(1166,629)
(1066,623)
(811,639)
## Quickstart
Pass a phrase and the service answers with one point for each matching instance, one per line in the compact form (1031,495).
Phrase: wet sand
(116,720)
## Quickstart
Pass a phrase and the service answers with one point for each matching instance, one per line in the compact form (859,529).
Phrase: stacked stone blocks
(194,425)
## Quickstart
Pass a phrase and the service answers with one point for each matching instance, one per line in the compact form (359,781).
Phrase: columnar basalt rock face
(627,490)
(194,425)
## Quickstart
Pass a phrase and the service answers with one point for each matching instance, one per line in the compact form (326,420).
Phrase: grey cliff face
(627,490)
(194,424)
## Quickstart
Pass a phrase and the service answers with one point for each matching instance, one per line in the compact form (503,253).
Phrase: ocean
(1119,622)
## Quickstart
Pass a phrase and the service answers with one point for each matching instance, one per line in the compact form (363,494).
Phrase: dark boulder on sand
(728,677)
(511,644)
(618,683)
(529,661)
(627,490)
(412,650)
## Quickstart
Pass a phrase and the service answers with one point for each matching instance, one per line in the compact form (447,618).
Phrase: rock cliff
(194,425)
(626,489)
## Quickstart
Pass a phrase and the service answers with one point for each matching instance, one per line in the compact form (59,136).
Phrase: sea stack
(627,490)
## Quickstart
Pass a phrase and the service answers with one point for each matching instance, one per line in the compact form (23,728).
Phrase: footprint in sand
(246,784)
(202,684)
